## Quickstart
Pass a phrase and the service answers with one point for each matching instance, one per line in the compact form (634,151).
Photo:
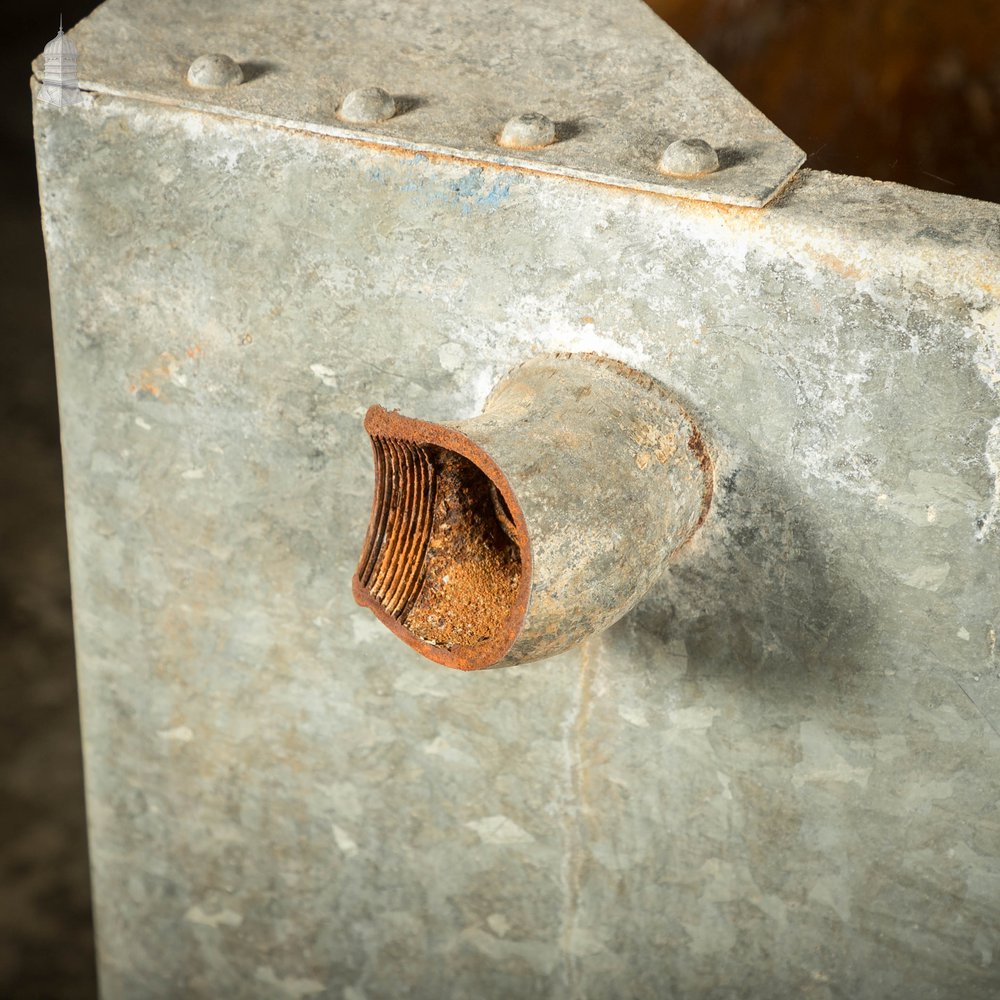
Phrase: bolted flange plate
(618,82)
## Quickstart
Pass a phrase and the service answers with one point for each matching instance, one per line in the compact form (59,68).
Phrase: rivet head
(689,158)
(214,70)
(528,131)
(367,106)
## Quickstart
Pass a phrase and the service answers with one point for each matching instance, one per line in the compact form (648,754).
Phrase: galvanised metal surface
(619,84)
(775,778)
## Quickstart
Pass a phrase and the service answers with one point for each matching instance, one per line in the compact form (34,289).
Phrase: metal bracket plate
(618,82)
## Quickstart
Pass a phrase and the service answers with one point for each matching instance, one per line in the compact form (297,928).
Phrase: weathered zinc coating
(777,777)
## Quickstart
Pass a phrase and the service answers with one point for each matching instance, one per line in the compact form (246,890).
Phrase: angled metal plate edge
(632,86)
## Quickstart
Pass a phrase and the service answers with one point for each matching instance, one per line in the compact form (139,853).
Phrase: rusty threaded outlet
(516,534)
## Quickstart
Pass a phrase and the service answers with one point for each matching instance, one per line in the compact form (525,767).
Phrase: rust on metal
(514,535)
(446,562)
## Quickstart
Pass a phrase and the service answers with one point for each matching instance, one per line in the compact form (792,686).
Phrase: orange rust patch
(446,563)
(153,379)
(472,570)
(835,264)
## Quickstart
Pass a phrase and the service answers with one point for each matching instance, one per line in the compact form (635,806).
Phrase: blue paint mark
(468,192)
(470,184)
(498,193)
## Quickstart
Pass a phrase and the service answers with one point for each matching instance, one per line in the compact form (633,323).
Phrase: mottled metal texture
(618,82)
(777,777)
(517,534)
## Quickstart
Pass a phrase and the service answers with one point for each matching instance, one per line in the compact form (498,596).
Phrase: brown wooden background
(901,90)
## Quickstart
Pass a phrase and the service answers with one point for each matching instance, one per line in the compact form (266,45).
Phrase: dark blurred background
(901,90)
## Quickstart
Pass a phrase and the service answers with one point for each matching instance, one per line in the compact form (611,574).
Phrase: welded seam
(574,842)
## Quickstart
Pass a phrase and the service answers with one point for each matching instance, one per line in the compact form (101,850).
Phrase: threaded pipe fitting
(514,535)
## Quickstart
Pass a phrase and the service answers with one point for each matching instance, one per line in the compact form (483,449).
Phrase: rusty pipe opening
(514,535)
(441,564)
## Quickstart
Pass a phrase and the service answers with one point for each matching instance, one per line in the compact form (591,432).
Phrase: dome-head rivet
(214,70)
(528,131)
(689,158)
(367,106)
